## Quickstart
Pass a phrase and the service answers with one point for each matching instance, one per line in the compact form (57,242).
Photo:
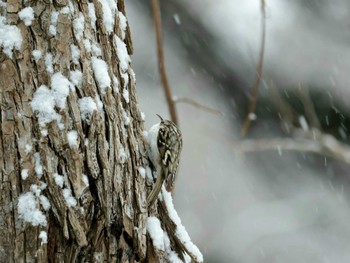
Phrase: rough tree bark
(73,167)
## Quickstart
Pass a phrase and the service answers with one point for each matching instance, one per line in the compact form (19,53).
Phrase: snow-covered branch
(174,232)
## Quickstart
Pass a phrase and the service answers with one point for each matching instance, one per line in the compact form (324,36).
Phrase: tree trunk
(73,168)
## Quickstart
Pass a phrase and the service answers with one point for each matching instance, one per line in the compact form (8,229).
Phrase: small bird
(165,144)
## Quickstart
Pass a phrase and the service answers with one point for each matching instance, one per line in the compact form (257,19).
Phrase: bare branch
(198,105)
(254,95)
(161,64)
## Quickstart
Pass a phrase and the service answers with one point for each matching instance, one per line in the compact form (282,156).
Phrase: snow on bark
(43,104)
(101,74)
(87,106)
(60,87)
(48,62)
(26,15)
(126,95)
(38,167)
(108,8)
(59,180)
(181,232)
(70,200)
(76,77)
(24,174)
(28,210)
(72,138)
(43,237)
(92,15)
(54,19)
(78,26)
(123,24)
(36,55)
(75,52)
(123,55)
(10,37)
(156,232)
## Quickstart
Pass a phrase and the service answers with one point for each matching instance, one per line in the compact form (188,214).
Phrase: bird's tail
(155,191)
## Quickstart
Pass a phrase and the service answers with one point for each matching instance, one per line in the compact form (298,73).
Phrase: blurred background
(238,202)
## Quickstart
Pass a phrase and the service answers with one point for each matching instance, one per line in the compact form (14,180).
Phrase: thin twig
(161,64)
(254,95)
(198,105)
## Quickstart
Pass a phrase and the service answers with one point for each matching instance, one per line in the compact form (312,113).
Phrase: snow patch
(156,232)
(126,118)
(87,106)
(72,137)
(10,37)
(142,171)
(75,52)
(60,87)
(76,77)
(44,100)
(45,203)
(99,103)
(122,53)
(71,7)
(27,148)
(54,19)
(59,180)
(122,154)
(65,10)
(126,95)
(143,116)
(28,211)
(123,24)
(43,132)
(87,45)
(115,84)
(43,237)
(78,26)
(101,74)
(43,105)
(96,50)
(70,200)
(92,15)
(26,15)
(36,55)
(85,180)
(48,62)
(24,174)
(38,167)
(181,232)
(172,256)
(160,239)
(125,77)
(108,9)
